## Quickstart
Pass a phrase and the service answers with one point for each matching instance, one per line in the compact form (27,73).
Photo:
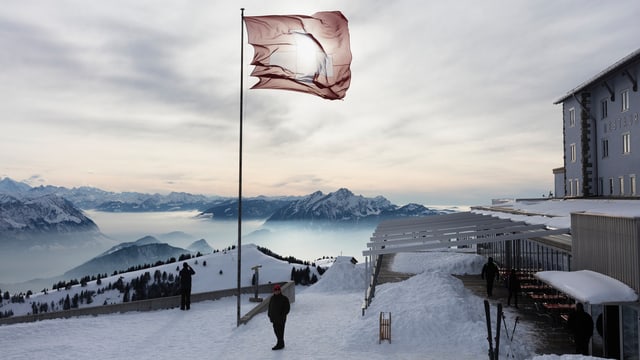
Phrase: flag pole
(240,168)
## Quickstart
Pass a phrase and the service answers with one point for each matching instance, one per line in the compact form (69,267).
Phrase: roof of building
(620,63)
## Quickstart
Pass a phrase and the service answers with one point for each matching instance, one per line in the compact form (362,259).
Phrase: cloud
(447,98)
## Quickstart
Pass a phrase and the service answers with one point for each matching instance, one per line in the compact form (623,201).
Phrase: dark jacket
(581,324)
(278,308)
(490,270)
(513,282)
(185,277)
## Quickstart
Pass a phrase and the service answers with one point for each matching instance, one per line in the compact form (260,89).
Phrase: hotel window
(572,152)
(632,185)
(577,188)
(626,143)
(572,117)
(621,183)
(603,109)
(601,186)
(610,186)
(605,148)
(570,187)
(625,100)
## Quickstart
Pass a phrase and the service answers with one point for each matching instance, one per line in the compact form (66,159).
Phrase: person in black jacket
(278,309)
(513,286)
(185,286)
(490,272)
(581,324)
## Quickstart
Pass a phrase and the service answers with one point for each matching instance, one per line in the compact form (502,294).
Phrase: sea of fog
(34,269)
(181,228)
(285,240)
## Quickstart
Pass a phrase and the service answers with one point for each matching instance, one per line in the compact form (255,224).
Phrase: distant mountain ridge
(343,206)
(47,220)
(339,207)
(146,250)
(93,198)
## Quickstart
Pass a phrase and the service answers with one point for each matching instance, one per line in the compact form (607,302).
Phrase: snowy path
(320,326)
(434,317)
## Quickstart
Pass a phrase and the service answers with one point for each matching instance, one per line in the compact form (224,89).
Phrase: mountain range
(41,223)
(341,206)
(27,221)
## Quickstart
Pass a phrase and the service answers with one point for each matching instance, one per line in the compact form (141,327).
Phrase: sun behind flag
(309,54)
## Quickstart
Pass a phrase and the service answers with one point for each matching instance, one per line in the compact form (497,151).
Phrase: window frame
(604,108)
(610,186)
(624,100)
(605,148)
(572,117)
(626,143)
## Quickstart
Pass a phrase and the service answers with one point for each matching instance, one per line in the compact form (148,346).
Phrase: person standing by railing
(185,286)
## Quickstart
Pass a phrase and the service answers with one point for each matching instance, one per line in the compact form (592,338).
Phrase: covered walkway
(463,229)
(509,242)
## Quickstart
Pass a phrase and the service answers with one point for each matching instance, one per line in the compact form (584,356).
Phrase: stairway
(387,275)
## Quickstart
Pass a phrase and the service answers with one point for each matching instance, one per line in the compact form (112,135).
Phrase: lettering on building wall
(623,123)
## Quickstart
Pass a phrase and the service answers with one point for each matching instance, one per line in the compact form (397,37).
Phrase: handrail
(162,303)
(371,290)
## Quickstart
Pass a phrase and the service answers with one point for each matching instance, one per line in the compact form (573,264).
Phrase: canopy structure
(589,286)
(451,230)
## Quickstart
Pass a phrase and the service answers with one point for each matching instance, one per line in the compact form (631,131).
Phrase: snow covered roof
(589,286)
(450,230)
(617,65)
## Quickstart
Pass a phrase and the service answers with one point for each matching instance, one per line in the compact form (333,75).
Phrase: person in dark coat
(490,272)
(185,286)
(513,286)
(278,309)
(581,325)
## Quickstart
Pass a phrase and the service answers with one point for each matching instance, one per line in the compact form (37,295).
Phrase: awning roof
(450,230)
(589,286)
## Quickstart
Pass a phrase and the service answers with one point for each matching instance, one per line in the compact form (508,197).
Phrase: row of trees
(139,288)
(66,285)
(143,287)
(289,259)
(16,298)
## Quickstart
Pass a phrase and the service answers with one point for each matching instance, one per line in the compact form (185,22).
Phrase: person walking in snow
(185,286)
(581,325)
(513,286)
(279,307)
(490,272)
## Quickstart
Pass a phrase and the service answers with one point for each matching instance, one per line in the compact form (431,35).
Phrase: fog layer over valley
(47,265)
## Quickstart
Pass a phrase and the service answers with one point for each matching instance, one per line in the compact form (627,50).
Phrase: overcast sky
(451,102)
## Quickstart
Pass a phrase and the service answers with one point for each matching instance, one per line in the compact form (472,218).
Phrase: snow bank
(342,276)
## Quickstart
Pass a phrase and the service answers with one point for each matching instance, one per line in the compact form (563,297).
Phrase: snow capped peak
(42,214)
(344,206)
(9,186)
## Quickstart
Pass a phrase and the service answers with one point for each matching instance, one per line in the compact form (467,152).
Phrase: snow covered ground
(433,317)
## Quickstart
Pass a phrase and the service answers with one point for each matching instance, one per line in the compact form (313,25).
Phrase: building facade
(601,133)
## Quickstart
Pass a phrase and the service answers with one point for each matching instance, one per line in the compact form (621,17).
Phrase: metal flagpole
(240,167)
